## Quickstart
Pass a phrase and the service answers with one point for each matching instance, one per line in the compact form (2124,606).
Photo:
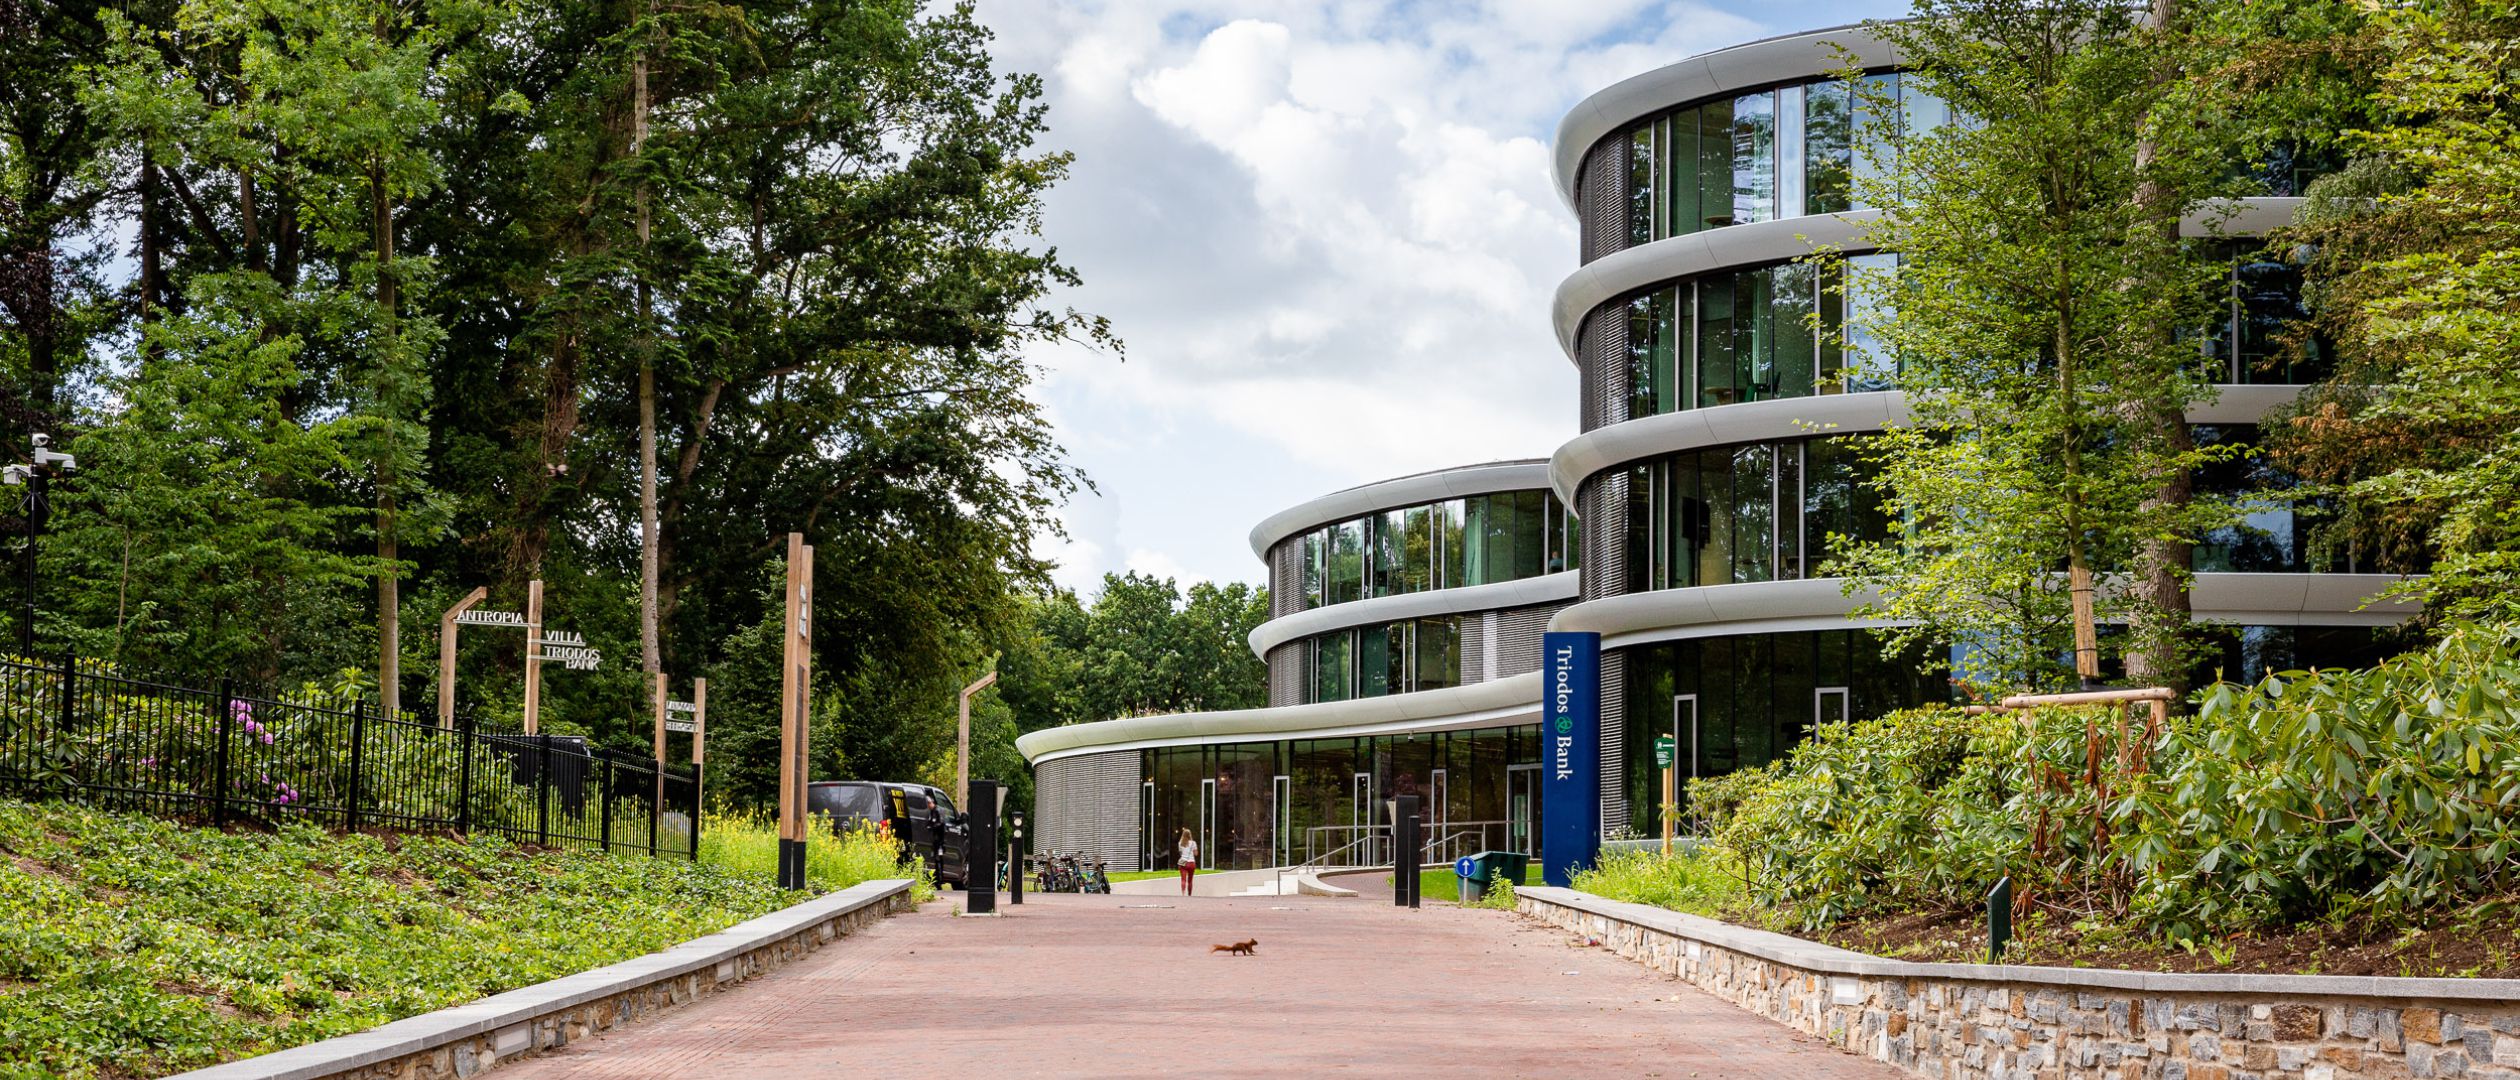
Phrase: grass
(746,843)
(134,947)
(1700,881)
(1440,883)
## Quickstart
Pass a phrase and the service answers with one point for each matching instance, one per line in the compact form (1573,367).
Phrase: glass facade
(1783,152)
(1755,335)
(1384,658)
(1739,702)
(1748,512)
(1259,804)
(2263,335)
(1479,540)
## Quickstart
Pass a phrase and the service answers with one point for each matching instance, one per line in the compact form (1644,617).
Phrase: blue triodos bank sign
(1570,754)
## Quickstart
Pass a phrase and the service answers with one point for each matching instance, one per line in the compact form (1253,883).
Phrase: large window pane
(1681,176)
(1438,653)
(1374,654)
(1753,513)
(1530,532)
(1641,186)
(1451,527)
(1868,359)
(1795,299)
(1876,157)
(1715,163)
(1333,667)
(1789,152)
(1474,548)
(1828,148)
(1716,353)
(1315,545)
(1346,563)
(1754,158)
(1640,359)
(1389,537)
(1417,531)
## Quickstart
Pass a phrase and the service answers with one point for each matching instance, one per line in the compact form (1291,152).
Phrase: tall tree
(2040,258)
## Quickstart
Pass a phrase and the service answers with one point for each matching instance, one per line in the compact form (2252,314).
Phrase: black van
(923,818)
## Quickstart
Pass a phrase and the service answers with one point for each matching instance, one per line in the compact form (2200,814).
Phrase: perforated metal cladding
(1088,804)
(1604,504)
(1474,649)
(1518,638)
(1614,804)
(1287,674)
(1601,198)
(1286,579)
(1602,349)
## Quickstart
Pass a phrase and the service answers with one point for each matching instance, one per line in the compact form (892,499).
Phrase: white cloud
(1327,231)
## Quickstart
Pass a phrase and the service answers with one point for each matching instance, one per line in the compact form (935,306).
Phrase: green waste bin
(1479,871)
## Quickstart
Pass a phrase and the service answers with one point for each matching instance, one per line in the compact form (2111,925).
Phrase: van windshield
(845,800)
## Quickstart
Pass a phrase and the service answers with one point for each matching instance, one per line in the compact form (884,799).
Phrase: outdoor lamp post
(36,478)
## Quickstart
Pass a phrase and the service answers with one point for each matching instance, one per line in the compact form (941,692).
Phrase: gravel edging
(468,1039)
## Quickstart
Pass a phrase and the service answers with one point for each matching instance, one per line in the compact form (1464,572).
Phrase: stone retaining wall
(467,1040)
(2005,1022)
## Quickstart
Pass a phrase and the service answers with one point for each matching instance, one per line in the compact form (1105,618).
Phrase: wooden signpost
(796,670)
(1665,749)
(569,650)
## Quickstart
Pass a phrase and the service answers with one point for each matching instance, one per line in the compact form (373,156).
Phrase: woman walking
(1187,857)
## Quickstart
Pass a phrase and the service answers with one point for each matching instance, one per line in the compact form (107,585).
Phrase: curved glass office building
(1725,390)
(1711,361)
(1402,651)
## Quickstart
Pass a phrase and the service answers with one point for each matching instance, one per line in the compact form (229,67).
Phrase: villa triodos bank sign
(570,650)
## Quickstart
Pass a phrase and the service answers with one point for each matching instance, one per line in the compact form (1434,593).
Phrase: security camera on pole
(36,477)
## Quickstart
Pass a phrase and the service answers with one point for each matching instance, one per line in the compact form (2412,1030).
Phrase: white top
(1190,852)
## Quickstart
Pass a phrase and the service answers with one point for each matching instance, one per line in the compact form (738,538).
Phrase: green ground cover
(1440,883)
(133,946)
(2343,822)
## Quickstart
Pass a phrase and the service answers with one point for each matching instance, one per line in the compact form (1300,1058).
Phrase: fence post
(358,753)
(606,791)
(463,792)
(69,689)
(656,806)
(542,794)
(695,811)
(219,780)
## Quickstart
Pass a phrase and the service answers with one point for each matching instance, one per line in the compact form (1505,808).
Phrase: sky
(1327,234)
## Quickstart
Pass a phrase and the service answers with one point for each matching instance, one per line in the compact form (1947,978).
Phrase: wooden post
(533,657)
(656,808)
(796,672)
(962,742)
(446,655)
(699,735)
(1671,803)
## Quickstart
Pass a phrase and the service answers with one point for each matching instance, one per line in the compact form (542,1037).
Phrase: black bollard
(1015,859)
(980,850)
(1404,856)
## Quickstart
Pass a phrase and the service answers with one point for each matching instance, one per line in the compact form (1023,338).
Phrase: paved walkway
(1109,986)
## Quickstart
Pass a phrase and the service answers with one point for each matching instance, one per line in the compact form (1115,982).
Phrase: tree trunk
(651,658)
(388,546)
(2163,563)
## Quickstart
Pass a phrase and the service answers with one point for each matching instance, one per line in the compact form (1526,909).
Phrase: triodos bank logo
(1566,725)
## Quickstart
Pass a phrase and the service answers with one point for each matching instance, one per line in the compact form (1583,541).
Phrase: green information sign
(1663,749)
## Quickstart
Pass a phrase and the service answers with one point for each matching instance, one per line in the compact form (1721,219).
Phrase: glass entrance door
(1281,818)
(1522,808)
(1148,842)
(1439,845)
(1207,822)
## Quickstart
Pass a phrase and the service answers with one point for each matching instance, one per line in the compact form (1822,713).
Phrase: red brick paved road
(1084,986)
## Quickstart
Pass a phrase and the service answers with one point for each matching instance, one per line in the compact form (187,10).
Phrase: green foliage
(2031,322)
(1142,647)
(2416,269)
(139,947)
(1499,896)
(2385,793)
(1701,880)
(746,843)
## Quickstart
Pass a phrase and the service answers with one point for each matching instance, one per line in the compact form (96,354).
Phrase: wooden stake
(699,732)
(660,744)
(1671,804)
(533,657)
(446,655)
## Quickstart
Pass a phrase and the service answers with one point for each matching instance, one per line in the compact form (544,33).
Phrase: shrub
(2384,791)
(1703,881)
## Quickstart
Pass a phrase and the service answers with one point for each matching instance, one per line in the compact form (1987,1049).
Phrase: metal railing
(229,754)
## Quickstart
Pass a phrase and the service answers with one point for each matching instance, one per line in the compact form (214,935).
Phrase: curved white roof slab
(1498,596)
(1674,258)
(1424,487)
(1821,604)
(1585,455)
(1646,265)
(1484,704)
(1790,58)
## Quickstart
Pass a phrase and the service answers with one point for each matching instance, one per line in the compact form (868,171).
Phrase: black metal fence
(231,755)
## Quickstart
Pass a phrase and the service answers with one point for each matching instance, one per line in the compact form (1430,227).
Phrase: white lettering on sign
(681,706)
(683,726)
(569,650)
(481,617)
(1562,674)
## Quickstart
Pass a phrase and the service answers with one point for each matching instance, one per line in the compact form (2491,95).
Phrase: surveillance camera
(42,440)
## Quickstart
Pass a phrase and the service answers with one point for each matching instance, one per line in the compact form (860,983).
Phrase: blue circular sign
(1462,866)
